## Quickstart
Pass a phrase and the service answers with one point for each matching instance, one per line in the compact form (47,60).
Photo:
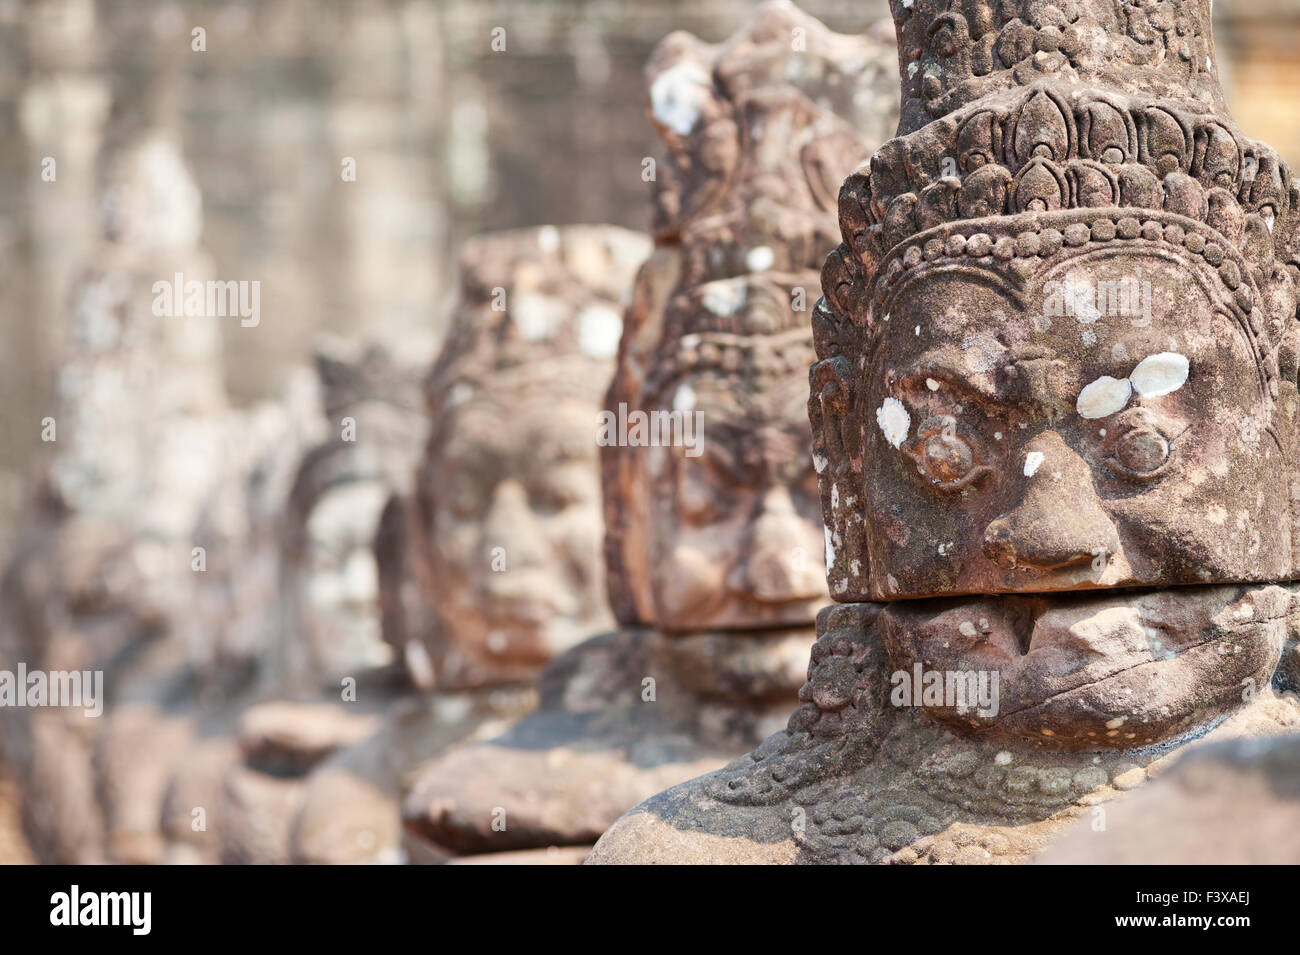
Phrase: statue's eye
(945,458)
(1142,450)
(1141,453)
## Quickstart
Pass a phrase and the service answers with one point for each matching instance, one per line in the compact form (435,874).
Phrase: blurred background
(450,139)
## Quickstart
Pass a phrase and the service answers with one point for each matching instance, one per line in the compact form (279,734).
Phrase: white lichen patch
(982,352)
(538,317)
(724,298)
(548,239)
(684,398)
(1033,461)
(760,259)
(460,393)
(820,462)
(678,95)
(1104,397)
(599,329)
(1160,374)
(894,421)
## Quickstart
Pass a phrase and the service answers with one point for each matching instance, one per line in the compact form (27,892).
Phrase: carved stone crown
(953,52)
(1042,149)
(538,305)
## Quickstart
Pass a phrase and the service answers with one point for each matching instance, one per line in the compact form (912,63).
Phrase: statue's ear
(837,458)
(842,323)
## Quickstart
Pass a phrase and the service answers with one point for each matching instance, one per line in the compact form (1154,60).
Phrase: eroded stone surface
(620,717)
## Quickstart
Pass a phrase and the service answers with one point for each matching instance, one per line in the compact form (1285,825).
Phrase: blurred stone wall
(1259,48)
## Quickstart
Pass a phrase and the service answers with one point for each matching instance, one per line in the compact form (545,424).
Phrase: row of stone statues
(1036,441)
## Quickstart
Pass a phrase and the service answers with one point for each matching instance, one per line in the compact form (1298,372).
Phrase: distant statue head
(508,495)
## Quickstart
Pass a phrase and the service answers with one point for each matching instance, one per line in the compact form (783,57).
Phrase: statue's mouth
(1116,670)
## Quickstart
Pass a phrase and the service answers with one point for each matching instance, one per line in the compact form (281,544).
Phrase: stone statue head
(720,529)
(1057,349)
(508,528)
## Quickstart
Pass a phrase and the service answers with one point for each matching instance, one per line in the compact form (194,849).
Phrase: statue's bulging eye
(1142,451)
(943,457)
(947,457)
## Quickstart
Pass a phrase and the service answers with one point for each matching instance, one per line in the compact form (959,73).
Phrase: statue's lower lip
(1105,668)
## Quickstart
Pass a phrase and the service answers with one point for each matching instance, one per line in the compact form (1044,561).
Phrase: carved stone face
(340,579)
(1102,423)
(735,536)
(516,557)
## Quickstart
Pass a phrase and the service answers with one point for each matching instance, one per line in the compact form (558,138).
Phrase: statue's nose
(511,524)
(1059,521)
(780,562)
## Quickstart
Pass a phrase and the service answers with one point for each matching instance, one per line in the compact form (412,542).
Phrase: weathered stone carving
(1056,354)
(103,578)
(712,541)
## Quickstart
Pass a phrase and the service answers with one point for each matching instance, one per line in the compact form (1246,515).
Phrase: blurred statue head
(508,496)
